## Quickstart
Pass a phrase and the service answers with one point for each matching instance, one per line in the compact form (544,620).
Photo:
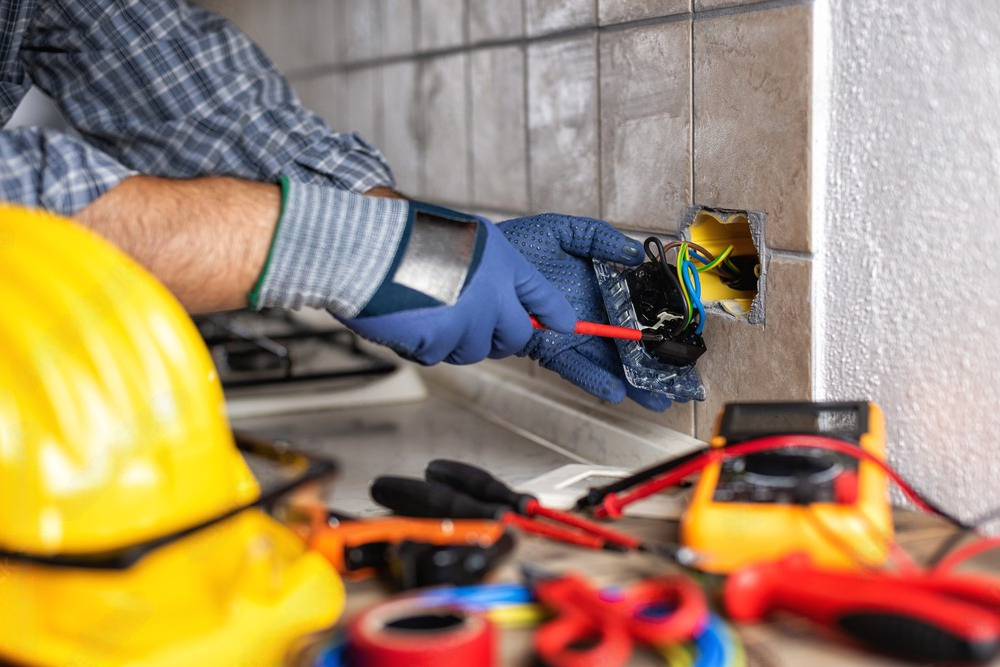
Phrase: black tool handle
(415,497)
(476,482)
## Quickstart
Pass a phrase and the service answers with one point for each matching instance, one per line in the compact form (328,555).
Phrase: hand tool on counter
(598,628)
(606,331)
(459,490)
(925,616)
(409,552)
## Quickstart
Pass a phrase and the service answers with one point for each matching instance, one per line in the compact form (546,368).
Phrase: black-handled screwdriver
(420,498)
(476,482)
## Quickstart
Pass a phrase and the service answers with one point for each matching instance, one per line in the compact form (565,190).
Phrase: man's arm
(206,239)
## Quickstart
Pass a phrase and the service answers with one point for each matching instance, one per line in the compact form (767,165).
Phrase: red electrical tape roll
(406,633)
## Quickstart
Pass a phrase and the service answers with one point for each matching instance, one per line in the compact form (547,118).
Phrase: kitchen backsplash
(622,110)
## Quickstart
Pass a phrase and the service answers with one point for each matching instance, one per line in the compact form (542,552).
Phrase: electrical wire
(713,263)
(612,504)
(661,258)
(681,256)
(965,553)
(694,292)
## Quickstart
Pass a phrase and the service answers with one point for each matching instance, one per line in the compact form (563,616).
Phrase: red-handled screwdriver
(606,330)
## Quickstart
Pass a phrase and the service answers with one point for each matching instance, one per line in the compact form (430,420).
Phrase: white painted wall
(908,279)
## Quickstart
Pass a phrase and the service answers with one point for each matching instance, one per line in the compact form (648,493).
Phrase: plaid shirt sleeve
(169,89)
(54,171)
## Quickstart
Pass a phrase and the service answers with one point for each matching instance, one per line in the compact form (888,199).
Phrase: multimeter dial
(780,477)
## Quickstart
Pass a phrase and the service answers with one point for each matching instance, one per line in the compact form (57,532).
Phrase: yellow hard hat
(113,433)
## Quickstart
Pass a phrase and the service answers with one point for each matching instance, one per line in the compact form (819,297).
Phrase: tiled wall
(625,110)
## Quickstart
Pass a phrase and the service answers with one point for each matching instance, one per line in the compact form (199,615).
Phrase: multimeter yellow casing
(738,516)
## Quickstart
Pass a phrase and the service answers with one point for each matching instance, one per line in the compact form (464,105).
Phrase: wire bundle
(685,275)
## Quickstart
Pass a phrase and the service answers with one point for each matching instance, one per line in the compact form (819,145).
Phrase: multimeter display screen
(792,476)
(845,421)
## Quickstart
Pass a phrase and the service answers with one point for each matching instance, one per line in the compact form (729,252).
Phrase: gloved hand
(430,283)
(561,247)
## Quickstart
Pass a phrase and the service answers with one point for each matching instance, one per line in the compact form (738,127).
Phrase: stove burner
(266,349)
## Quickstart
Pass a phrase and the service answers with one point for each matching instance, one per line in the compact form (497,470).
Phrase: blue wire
(480,597)
(693,253)
(694,291)
(715,645)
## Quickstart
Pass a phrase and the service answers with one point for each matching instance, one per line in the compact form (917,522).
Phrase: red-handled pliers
(598,628)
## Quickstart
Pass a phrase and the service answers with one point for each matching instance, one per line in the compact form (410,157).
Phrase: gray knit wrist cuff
(331,249)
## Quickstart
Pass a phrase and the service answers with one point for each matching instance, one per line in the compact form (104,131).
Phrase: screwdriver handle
(415,497)
(598,329)
(476,482)
(906,615)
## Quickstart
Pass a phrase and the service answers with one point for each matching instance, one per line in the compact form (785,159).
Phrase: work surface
(785,642)
(402,439)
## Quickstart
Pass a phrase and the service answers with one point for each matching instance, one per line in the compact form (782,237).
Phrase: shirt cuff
(331,249)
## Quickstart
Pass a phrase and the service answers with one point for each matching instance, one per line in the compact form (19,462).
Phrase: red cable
(963,554)
(613,505)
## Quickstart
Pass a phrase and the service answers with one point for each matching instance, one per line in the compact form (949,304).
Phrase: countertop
(401,439)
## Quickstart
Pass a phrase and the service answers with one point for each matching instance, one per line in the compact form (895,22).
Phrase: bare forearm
(206,239)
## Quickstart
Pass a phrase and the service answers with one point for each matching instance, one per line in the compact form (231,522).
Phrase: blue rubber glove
(561,247)
(489,318)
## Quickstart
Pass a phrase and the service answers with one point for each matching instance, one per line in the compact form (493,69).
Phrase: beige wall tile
(772,362)
(295,34)
(562,126)
(751,118)
(363,107)
(441,24)
(619,11)
(700,5)
(499,126)
(446,155)
(327,96)
(543,16)
(646,126)
(362,33)
(397,20)
(493,19)
(402,126)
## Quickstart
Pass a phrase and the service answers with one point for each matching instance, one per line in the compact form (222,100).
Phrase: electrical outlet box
(716,229)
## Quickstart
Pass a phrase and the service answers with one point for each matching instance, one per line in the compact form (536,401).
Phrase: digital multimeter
(767,505)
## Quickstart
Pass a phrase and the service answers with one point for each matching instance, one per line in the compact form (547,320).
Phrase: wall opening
(735,288)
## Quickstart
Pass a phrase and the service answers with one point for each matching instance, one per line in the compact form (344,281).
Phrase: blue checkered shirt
(156,87)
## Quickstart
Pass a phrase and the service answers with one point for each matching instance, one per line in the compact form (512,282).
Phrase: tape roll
(410,633)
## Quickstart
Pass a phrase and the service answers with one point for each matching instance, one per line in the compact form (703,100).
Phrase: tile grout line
(316,71)
(470,163)
(691,182)
(600,125)
(528,188)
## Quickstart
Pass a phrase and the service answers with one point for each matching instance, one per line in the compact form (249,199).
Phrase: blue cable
(715,645)
(694,291)
(694,253)
(481,597)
